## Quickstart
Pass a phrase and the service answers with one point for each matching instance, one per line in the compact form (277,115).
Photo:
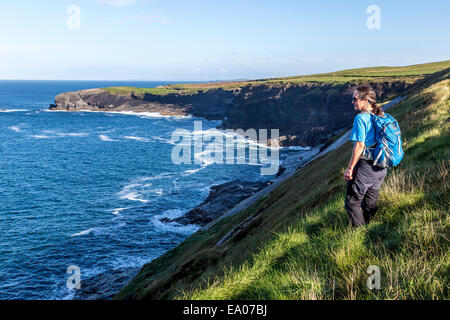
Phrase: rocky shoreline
(221,198)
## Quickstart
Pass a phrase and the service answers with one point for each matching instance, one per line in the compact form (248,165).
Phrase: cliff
(305,113)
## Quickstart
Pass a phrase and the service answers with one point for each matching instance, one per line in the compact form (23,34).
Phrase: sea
(87,190)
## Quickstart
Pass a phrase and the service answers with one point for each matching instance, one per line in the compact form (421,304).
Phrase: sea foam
(137,138)
(106,138)
(82,233)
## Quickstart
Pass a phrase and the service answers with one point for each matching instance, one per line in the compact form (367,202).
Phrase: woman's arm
(356,154)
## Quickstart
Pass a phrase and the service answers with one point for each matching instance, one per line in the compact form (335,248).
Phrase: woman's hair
(366,92)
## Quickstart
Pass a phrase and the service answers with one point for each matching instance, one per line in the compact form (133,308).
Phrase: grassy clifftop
(409,74)
(296,242)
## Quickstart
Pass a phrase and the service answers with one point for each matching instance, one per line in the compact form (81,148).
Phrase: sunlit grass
(141,92)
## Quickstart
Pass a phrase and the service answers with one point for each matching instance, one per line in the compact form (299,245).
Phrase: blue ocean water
(88,188)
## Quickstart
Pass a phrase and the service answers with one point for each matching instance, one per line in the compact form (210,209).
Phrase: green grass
(413,70)
(298,244)
(409,74)
(140,92)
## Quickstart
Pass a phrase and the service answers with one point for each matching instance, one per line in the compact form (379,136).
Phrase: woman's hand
(348,175)
(358,149)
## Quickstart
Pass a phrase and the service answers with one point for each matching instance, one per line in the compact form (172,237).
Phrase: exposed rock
(101,100)
(281,169)
(208,105)
(221,198)
(104,285)
(305,114)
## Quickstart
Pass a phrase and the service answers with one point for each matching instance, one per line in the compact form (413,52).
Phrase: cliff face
(101,100)
(305,114)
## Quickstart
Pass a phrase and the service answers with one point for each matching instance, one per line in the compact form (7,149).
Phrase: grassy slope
(408,73)
(300,246)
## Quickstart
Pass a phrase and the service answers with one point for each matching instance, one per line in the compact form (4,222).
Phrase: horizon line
(239,79)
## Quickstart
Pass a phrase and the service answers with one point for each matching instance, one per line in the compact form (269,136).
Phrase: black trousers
(362,192)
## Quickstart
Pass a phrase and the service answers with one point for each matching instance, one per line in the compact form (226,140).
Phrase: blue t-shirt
(363,129)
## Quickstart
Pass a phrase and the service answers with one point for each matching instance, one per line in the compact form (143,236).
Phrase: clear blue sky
(214,39)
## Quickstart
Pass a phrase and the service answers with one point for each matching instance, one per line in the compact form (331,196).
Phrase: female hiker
(364,179)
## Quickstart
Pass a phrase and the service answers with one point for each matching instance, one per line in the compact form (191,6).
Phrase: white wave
(173,226)
(53,134)
(142,114)
(146,185)
(172,213)
(192,171)
(132,261)
(169,141)
(133,196)
(129,187)
(158,191)
(82,233)
(15,128)
(118,210)
(158,176)
(210,132)
(19,127)
(40,136)
(129,193)
(106,138)
(139,186)
(229,135)
(72,134)
(13,110)
(137,138)
(205,157)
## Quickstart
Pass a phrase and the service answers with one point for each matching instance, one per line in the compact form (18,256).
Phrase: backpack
(387,151)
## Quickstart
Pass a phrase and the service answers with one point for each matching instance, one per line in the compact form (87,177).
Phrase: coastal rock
(209,106)
(305,114)
(105,285)
(101,100)
(221,198)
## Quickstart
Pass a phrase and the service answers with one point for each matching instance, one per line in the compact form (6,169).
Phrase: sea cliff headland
(307,110)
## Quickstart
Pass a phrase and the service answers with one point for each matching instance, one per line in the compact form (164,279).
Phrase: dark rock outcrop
(102,100)
(105,285)
(221,198)
(208,105)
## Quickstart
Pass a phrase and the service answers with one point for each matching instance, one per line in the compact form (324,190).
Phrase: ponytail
(366,92)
